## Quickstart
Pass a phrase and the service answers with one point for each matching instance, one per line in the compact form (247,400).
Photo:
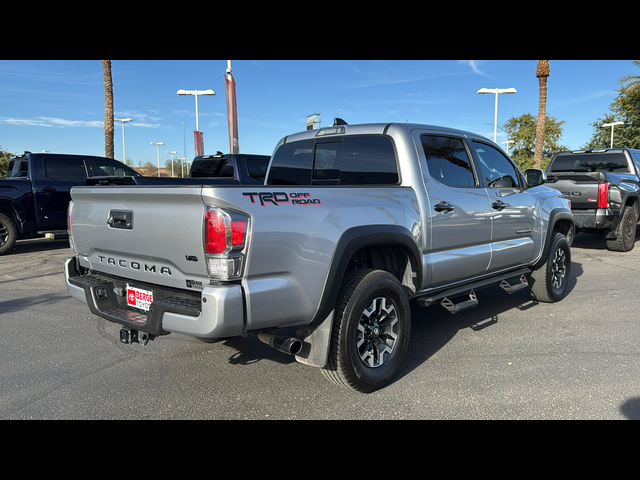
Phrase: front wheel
(370,333)
(549,282)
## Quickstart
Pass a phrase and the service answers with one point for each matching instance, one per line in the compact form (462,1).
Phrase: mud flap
(315,343)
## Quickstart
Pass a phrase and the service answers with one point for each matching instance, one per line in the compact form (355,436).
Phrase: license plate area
(138,298)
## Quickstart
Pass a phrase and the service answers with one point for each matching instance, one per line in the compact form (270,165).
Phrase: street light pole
(198,138)
(171,161)
(182,159)
(496,91)
(123,120)
(612,125)
(196,93)
(157,144)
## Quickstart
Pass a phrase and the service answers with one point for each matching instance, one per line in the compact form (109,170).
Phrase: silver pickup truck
(353,222)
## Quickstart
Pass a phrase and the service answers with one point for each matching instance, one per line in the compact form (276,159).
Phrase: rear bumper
(597,219)
(216,312)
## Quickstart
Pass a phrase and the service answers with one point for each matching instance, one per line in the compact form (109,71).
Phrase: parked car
(35,193)
(604,188)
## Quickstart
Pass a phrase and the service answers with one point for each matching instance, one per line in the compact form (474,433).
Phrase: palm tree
(542,72)
(108,109)
(631,83)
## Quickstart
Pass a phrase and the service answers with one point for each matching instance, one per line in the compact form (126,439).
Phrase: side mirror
(535,176)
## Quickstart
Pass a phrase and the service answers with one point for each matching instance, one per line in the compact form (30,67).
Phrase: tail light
(225,237)
(69,211)
(603,195)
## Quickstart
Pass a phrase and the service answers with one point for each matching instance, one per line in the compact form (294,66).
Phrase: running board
(459,307)
(444,297)
(509,288)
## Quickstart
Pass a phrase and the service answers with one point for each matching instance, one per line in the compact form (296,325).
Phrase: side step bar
(459,307)
(444,297)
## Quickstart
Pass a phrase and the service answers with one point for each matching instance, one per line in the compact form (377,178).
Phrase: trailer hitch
(129,336)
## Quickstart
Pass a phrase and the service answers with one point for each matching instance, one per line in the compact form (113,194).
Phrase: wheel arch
(372,246)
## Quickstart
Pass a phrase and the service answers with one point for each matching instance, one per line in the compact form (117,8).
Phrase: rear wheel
(549,282)
(625,233)
(8,233)
(370,333)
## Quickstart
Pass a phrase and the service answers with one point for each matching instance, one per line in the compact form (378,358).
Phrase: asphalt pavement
(508,358)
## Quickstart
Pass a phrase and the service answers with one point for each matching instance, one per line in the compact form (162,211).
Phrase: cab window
(112,168)
(496,169)
(448,161)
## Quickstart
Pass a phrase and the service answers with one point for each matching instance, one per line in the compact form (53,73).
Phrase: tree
(542,72)
(630,83)
(4,161)
(523,131)
(108,109)
(625,108)
(148,169)
(174,170)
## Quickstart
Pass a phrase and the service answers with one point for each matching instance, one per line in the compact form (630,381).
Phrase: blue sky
(58,105)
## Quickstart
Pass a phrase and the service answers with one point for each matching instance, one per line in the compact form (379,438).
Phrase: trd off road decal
(278,198)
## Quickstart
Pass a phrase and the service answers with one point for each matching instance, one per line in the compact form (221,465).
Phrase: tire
(548,283)
(625,233)
(370,333)
(8,233)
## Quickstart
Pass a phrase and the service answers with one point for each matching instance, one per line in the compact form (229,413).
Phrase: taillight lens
(603,195)
(224,231)
(215,232)
(225,235)
(69,232)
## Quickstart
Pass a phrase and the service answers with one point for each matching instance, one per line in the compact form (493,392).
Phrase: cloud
(587,98)
(474,66)
(51,122)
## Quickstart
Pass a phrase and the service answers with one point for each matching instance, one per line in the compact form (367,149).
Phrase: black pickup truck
(35,193)
(604,188)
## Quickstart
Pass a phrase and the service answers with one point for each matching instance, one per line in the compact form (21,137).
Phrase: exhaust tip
(284,344)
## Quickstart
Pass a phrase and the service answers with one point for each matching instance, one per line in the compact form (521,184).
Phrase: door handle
(443,207)
(498,205)
(48,189)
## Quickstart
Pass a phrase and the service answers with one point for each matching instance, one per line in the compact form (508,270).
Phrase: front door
(512,209)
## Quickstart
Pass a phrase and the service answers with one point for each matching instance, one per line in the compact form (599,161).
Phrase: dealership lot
(509,358)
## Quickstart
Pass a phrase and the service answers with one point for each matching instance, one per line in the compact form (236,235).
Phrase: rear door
(60,173)
(459,211)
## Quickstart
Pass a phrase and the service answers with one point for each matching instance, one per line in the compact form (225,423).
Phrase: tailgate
(579,187)
(149,234)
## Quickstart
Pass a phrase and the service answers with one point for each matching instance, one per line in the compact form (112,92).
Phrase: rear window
(65,169)
(213,167)
(257,167)
(590,162)
(18,169)
(357,160)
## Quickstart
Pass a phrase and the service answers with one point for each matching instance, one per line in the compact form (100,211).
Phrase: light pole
(612,125)
(123,120)
(507,143)
(182,159)
(184,139)
(496,91)
(171,161)
(196,93)
(157,144)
